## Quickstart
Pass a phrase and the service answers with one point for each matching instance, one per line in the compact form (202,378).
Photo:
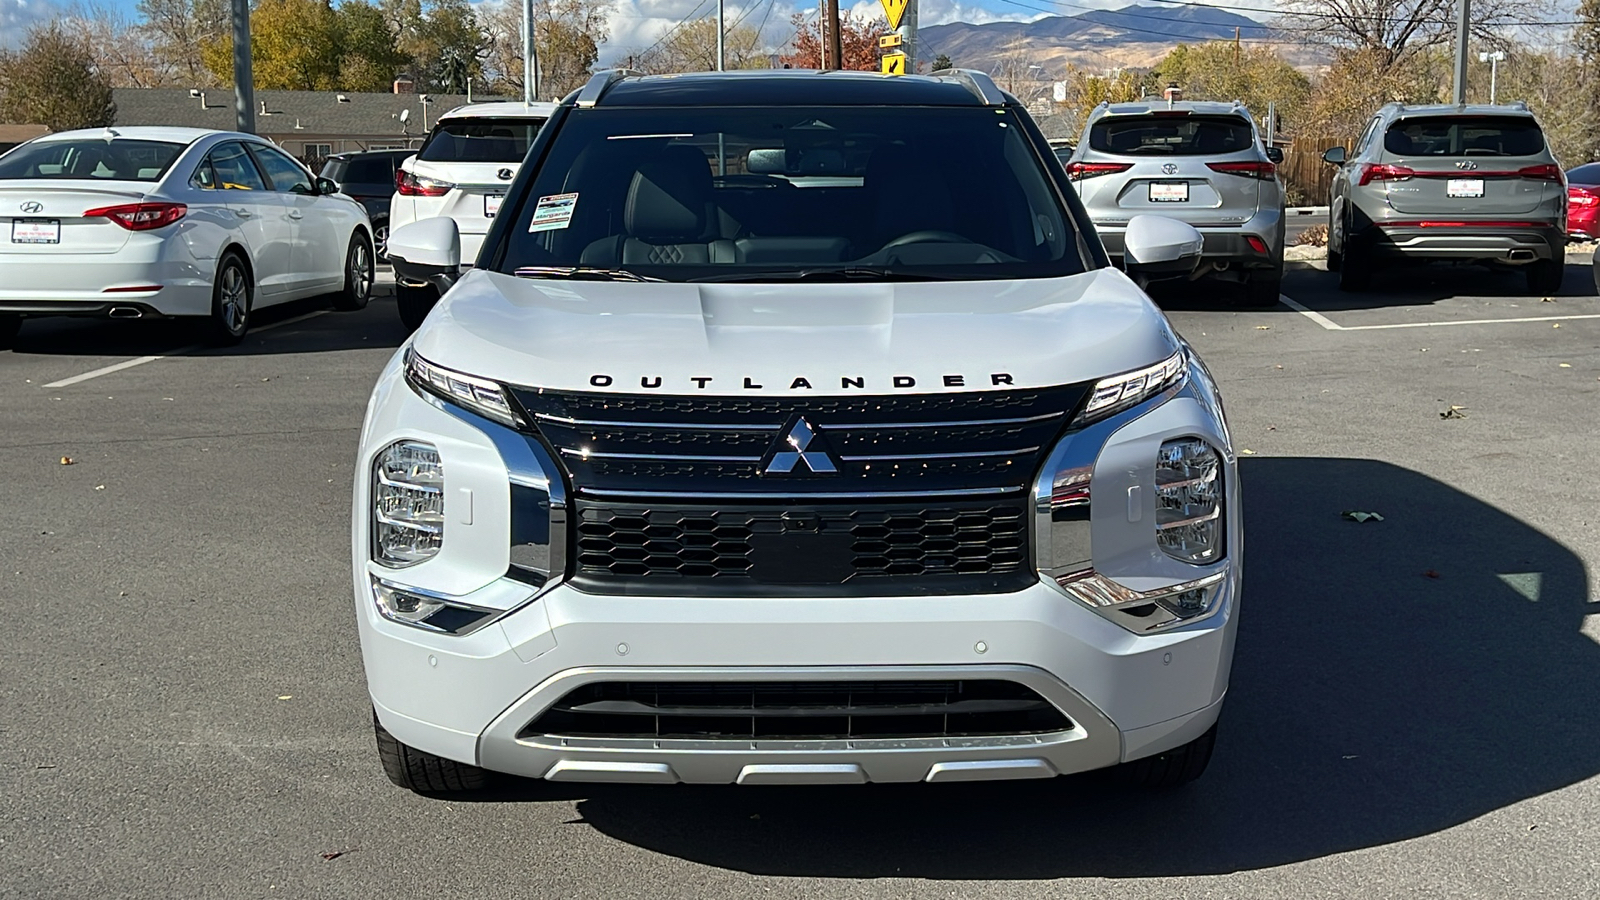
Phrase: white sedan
(154,222)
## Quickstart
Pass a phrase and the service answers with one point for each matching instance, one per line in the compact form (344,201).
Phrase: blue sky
(636,23)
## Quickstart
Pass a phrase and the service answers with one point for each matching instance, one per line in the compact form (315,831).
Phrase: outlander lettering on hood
(803,383)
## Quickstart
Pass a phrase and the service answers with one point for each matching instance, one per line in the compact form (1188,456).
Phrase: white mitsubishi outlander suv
(767,445)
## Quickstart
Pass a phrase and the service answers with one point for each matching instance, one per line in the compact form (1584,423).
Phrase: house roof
(16,134)
(314,112)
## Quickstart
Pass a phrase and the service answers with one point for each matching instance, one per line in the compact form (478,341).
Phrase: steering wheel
(927,237)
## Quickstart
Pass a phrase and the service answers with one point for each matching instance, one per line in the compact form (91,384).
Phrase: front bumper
(471,697)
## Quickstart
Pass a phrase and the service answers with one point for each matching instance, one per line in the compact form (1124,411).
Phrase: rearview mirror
(1333,156)
(326,186)
(427,251)
(1275,154)
(1156,247)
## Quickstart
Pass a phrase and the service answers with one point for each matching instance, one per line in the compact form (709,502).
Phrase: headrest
(669,195)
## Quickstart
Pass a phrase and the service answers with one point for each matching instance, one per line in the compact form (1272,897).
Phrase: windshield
(1170,135)
(91,158)
(497,140)
(772,194)
(1465,136)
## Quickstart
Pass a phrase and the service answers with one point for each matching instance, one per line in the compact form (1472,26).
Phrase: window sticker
(552,212)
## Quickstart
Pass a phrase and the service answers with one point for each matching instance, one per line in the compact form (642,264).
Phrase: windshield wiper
(591,273)
(847,273)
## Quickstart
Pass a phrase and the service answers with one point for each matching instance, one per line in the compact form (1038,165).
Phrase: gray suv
(1203,163)
(1459,183)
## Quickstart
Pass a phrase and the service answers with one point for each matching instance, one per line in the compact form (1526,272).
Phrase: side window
(286,174)
(1365,139)
(229,168)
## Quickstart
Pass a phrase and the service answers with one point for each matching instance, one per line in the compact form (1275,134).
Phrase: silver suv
(1203,163)
(1459,183)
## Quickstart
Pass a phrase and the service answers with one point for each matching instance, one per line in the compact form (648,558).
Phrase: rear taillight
(409,185)
(140,216)
(1265,171)
(1371,172)
(1078,171)
(1544,172)
(1582,197)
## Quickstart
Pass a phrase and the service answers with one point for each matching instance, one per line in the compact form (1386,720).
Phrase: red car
(1583,202)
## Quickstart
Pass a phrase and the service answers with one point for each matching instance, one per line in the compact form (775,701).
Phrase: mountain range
(1133,36)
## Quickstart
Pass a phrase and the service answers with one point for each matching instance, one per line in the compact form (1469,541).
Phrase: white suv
(462,171)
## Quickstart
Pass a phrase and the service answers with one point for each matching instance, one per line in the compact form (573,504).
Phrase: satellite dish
(405,115)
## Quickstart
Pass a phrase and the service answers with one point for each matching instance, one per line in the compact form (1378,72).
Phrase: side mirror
(326,186)
(1275,154)
(1156,247)
(1333,156)
(427,251)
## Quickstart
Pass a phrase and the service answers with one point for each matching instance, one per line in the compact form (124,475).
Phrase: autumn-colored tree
(53,80)
(369,51)
(567,35)
(692,47)
(858,40)
(180,30)
(1221,70)
(294,46)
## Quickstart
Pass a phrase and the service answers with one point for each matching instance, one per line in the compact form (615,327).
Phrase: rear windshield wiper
(848,273)
(591,273)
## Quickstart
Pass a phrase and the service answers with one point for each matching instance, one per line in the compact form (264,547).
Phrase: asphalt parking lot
(1413,708)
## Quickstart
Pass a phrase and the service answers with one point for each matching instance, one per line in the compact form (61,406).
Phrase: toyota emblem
(33,206)
(1169,169)
(505,174)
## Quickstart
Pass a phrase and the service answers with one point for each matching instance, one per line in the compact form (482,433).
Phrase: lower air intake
(799,710)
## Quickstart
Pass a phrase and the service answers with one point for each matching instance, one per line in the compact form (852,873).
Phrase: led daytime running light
(480,395)
(1122,391)
(427,610)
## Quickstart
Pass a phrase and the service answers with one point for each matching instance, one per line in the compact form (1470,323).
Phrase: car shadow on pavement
(1392,679)
(1419,285)
(376,326)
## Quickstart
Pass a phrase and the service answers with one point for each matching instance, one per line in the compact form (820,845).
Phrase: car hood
(795,339)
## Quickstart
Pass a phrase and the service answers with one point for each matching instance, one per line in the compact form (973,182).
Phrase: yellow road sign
(888,40)
(894,64)
(895,10)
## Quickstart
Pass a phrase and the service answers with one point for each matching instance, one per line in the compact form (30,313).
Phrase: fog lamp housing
(427,610)
(1145,611)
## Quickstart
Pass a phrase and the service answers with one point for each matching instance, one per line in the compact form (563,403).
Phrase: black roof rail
(979,83)
(599,83)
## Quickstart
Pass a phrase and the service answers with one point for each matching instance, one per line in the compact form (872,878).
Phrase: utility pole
(721,29)
(1463,16)
(908,40)
(530,56)
(834,58)
(244,82)
(1493,59)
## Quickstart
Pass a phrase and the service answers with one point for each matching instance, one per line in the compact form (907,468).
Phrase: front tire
(414,303)
(9,326)
(232,297)
(359,274)
(1264,286)
(1174,768)
(1355,273)
(422,772)
(1544,276)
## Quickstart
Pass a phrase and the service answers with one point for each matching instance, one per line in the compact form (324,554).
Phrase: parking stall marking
(181,351)
(1331,325)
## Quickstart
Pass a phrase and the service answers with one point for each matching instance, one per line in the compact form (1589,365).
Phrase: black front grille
(979,442)
(867,548)
(799,710)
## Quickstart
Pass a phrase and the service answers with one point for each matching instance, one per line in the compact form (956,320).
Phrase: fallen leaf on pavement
(1547,299)
(1356,515)
(1566,365)
(286,697)
(1556,325)
(1454,412)
(1263,327)
(334,855)
(1248,452)
(67,461)
(99,487)
(1430,573)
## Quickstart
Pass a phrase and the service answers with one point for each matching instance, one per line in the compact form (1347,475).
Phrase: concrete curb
(1306,211)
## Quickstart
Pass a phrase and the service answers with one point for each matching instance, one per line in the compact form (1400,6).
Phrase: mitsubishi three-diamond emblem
(800,449)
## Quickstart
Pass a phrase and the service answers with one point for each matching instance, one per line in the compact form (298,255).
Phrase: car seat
(667,217)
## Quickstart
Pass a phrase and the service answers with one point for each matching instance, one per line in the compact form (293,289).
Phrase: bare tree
(179,30)
(1389,31)
(124,50)
(567,35)
(692,47)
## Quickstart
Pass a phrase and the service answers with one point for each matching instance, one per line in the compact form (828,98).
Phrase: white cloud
(17,15)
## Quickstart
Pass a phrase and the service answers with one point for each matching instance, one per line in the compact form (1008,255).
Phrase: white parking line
(1331,325)
(130,363)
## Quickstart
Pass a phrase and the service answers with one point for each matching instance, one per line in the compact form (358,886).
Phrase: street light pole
(244,86)
(721,28)
(1463,17)
(1493,59)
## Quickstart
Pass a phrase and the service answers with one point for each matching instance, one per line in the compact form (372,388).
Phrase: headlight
(1114,394)
(482,396)
(410,606)
(407,504)
(1189,501)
